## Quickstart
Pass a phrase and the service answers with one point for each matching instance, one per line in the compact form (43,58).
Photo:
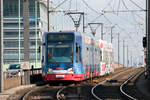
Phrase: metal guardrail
(20,72)
(21,77)
(13,73)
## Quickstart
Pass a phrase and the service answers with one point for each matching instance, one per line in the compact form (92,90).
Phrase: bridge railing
(21,77)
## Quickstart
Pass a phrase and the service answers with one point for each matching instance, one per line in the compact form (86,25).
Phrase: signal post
(1,45)
(148,39)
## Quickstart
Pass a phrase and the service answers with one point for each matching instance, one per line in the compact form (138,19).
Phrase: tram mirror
(43,44)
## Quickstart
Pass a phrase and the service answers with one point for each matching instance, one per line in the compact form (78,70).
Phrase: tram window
(87,48)
(100,55)
(95,49)
(78,53)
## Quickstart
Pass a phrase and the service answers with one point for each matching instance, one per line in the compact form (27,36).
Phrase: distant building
(13,29)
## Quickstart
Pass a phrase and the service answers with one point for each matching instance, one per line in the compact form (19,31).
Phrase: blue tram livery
(74,56)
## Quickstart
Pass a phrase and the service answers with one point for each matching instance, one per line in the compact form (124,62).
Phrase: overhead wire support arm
(93,29)
(76,22)
(124,11)
(64,11)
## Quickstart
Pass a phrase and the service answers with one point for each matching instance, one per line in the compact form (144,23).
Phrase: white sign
(25,65)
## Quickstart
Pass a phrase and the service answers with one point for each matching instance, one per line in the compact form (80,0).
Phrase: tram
(72,56)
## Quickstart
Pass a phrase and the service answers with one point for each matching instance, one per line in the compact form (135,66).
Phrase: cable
(60,4)
(96,18)
(107,19)
(108,4)
(76,6)
(128,9)
(121,29)
(124,5)
(136,4)
(90,7)
(138,16)
(70,5)
(112,7)
(118,6)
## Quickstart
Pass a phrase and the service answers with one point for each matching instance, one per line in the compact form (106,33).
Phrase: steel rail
(30,91)
(121,87)
(95,87)
(58,93)
(100,83)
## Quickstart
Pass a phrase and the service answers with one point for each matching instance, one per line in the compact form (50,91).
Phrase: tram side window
(78,53)
(100,55)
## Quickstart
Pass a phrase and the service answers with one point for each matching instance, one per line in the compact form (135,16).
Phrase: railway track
(109,90)
(125,83)
(46,92)
(81,90)
(129,90)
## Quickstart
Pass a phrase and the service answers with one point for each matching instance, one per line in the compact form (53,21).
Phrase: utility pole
(102,31)
(131,58)
(26,40)
(142,59)
(83,23)
(118,50)
(48,15)
(127,57)
(36,33)
(148,40)
(111,33)
(26,29)
(1,46)
(19,31)
(123,53)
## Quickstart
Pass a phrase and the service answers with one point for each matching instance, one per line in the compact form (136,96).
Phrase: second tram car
(74,56)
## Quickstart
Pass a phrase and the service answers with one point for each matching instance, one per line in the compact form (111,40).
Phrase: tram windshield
(60,48)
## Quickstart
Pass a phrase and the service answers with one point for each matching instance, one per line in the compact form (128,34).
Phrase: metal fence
(21,77)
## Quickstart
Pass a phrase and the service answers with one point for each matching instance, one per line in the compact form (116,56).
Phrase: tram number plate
(60,76)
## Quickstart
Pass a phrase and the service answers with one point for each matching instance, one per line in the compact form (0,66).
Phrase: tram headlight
(50,70)
(70,70)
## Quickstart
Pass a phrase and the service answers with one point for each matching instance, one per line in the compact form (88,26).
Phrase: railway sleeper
(75,97)
(71,97)
(112,81)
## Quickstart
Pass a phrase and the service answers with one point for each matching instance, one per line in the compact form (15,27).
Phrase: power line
(60,4)
(126,20)
(108,4)
(107,19)
(90,7)
(119,5)
(124,5)
(124,11)
(138,16)
(136,4)
(70,4)
(96,17)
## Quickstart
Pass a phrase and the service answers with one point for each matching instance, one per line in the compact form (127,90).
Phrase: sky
(129,25)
